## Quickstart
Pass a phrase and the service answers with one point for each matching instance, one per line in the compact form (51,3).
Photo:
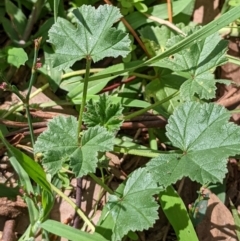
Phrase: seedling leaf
(103,113)
(92,38)
(134,207)
(206,139)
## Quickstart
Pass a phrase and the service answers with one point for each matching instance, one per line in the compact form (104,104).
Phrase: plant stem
(78,210)
(144,76)
(37,43)
(36,10)
(99,182)
(80,72)
(55,9)
(84,95)
(142,111)
(152,139)
(18,105)
(137,152)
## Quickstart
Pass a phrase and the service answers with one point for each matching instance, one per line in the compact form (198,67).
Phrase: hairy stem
(84,96)
(37,43)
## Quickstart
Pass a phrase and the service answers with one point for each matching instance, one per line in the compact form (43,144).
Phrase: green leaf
(197,64)
(133,208)
(155,38)
(53,75)
(9,30)
(236,218)
(206,139)
(95,139)
(32,168)
(199,208)
(19,20)
(93,38)
(59,143)
(202,33)
(177,214)
(141,7)
(8,192)
(167,84)
(70,233)
(136,19)
(25,182)
(103,113)
(16,56)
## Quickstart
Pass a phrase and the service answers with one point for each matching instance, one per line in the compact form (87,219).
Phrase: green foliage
(68,232)
(9,192)
(206,139)
(103,113)
(236,218)
(132,208)
(200,135)
(127,6)
(14,28)
(14,56)
(177,214)
(197,64)
(97,41)
(32,168)
(94,140)
(198,210)
(160,88)
(59,143)
(234,3)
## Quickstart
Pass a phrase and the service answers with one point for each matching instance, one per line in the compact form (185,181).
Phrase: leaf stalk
(84,96)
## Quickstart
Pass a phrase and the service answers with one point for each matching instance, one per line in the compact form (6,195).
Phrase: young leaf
(197,64)
(93,38)
(59,144)
(206,139)
(103,113)
(134,208)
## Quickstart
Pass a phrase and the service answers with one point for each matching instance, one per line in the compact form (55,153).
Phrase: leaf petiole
(84,95)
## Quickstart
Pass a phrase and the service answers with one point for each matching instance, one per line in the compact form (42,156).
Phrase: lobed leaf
(206,139)
(133,207)
(197,64)
(103,113)
(59,143)
(84,160)
(92,37)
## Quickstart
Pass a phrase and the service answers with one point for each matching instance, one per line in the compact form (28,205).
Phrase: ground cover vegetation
(133,108)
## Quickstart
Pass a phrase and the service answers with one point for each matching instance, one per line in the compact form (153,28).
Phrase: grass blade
(177,215)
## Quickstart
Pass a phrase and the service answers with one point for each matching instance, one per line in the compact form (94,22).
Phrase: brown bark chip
(218,223)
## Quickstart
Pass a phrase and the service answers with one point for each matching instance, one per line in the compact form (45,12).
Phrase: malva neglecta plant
(199,132)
